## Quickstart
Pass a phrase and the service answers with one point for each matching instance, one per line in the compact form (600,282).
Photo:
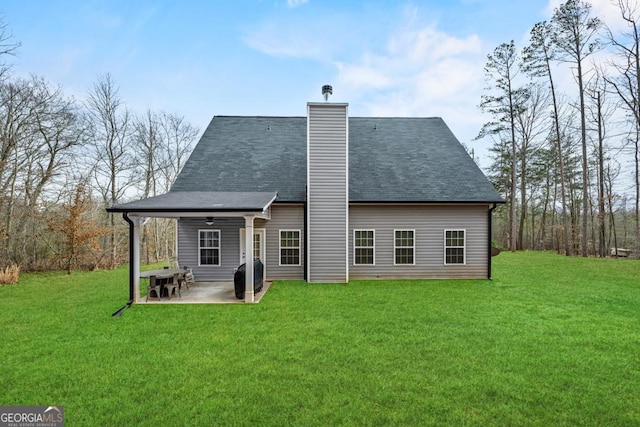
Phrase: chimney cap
(326,91)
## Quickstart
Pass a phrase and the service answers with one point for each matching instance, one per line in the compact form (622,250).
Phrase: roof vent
(326,91)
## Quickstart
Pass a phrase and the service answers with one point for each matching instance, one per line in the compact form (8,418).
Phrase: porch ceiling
(199,203)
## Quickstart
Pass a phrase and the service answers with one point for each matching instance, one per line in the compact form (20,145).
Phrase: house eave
(426,202)
(198,204)
(193,214)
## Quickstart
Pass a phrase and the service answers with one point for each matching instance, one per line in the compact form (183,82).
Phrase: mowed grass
(550,341)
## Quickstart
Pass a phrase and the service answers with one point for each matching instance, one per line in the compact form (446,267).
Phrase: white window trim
(364,247)
(299,247)
(412,247)
(219,248)
(464,247)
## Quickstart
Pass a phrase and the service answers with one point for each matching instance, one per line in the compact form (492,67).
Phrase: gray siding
(429,223)
(327,192)
(229,245)
(283,217)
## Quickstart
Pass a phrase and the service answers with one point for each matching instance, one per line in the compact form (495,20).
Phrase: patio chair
(187,278)
(153,290)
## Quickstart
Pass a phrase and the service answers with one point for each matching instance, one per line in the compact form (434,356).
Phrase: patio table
(165,275)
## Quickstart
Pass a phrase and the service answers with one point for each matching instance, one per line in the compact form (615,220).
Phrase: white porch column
(248,236)
(135,259)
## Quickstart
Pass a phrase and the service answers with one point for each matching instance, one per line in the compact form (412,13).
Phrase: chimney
(327,191)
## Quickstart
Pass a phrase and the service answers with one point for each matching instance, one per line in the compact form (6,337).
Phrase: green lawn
(550,341)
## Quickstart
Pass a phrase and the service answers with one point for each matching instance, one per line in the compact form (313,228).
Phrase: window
(289,247)
(209,247)
(363,247)
(454,246)
(405,246)
(257,246)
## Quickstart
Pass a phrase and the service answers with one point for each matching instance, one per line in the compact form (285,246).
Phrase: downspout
(306,236)
(489,241)
(131,261)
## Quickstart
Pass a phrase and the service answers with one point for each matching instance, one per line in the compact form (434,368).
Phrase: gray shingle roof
(249,154)
(390,160)
(199,201)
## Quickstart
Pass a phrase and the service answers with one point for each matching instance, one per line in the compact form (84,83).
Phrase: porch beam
(248,235)
(198,214)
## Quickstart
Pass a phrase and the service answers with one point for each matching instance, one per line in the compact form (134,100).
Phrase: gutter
(131,260)
(489,215)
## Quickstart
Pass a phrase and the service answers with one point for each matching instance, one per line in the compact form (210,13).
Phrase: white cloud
(363,76)
(422,71)
(428,44)
(412,68)
(294,39)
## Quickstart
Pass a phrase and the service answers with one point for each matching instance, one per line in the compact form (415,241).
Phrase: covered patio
(207,293)
(197,204)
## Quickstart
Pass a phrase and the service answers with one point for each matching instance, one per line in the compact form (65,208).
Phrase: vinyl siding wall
(327,192)
(283,217)
(229,247)
(429,223)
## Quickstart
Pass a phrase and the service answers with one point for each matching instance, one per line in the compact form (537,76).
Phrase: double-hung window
(289,247)
(404,247)
(454,246)
(209,247)
(364,247)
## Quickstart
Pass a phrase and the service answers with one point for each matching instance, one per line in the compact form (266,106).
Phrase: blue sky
(269,57)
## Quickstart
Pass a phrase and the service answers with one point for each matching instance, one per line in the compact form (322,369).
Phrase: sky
(270,57)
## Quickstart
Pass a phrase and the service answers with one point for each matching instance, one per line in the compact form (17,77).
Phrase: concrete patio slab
(206,293)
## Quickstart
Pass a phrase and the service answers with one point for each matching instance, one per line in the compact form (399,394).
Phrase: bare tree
(7,48)
(600,112)
(108,120)
(39,130)
(610,175)
(531,128)
(574,39)
(147,146)
(180,137)
(16,104)
(161,141)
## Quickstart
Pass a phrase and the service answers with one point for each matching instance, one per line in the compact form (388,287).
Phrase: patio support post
(134,259)
(248,289)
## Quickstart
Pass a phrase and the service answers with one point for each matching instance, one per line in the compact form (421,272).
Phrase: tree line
(63,161)
(566,156)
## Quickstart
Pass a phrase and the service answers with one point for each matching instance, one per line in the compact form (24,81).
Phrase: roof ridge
(261,117)
(304,117)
